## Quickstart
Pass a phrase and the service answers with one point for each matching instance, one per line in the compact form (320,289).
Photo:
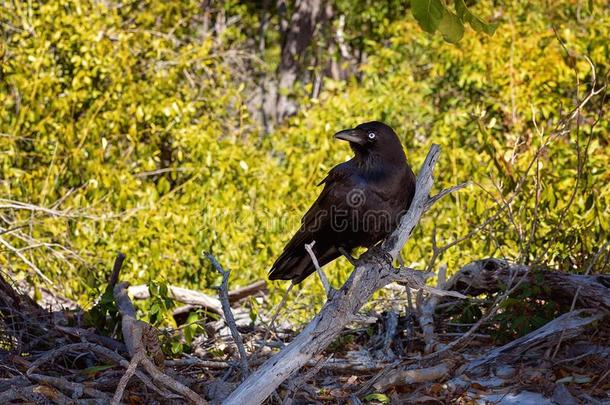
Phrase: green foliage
(130,122)
(160,303)
(526,310)
(104,314)
(433,15)
(178,341)
(378,398)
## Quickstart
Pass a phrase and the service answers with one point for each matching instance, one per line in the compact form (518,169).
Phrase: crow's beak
(351,135)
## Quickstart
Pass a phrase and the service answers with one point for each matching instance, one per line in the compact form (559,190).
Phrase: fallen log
(247,291)
(184,295)
(192,297)
(567,326)
(492,275)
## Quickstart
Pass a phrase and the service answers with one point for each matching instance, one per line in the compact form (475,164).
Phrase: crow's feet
(348,256)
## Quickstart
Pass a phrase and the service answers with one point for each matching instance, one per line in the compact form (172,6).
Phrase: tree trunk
(298,36)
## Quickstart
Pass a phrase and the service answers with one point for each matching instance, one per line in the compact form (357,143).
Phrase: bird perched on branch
(361,203)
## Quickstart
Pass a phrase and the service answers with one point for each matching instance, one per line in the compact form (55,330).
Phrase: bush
(130,123)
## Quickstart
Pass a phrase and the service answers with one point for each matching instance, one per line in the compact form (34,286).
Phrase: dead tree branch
(492,275)
(426,312)
(141,292)
(223,292)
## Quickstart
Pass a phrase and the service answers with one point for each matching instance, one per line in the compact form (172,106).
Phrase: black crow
(361,203)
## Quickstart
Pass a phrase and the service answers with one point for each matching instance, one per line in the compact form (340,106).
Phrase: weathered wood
(248,290)
(183,295)
(568,325)
(223,292)
(192,297)
(426,313)
(374,271)
(492,275)
(414,376)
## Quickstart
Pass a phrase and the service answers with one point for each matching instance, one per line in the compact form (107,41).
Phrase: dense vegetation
(137,127)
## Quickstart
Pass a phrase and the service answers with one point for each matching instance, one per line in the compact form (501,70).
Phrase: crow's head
(374,140)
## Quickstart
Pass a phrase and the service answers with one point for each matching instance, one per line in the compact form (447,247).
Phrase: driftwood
(492,275)
(374,271)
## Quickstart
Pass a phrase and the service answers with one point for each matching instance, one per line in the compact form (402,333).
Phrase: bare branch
(308,247)
(223,292)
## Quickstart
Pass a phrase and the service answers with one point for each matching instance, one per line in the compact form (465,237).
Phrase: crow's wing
(294,263)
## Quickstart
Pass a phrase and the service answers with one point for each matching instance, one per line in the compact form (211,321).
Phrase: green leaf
(96,369)
(428,13)
(465,15)
(384,399)
(451,27)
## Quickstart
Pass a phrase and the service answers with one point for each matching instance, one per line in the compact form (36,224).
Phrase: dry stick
(405,377)
(223,292)
(491,312)
(133,366)
(390,370)
(248,290)
(271,324)
(374,271)
(116,270)
(77,389)
(308,247)
(571,323)
(426,312)
(26,261)
(432,200)
(132,334)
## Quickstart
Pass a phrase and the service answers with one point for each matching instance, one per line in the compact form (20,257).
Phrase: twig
(26,261)
(573,306)
(101,351)
(426,312)
(570,323)
(273,320)
(223,292)
(308,247)
(432,200)
(133,366)
(297,382)
(76,389)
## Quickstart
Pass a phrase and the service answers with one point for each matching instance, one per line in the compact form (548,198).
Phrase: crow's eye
(372,135)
